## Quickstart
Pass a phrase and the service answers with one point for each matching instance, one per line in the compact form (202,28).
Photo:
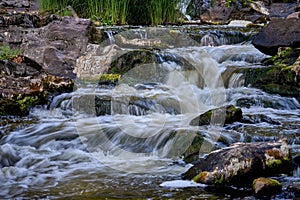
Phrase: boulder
(24,84)
(57,45)
(281,76)
(217,15)
(241,163)
(287,35)
(96,61)
(219,116)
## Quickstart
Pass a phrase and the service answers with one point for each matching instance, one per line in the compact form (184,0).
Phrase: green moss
(109,78)
(274,163)
(200,177)
(219,180)
(25,103)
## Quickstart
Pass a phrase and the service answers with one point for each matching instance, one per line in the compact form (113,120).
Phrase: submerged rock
(220,116)
(241,163)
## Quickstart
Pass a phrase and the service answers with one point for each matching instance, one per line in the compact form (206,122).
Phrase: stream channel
(126,140)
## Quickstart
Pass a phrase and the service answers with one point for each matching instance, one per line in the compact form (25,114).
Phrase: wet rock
(259,118)
(58,45)
(24,84)
(281,78)
(287,35)
(97,61)
(266,186)
(130,60)
(241,163)
(220,116)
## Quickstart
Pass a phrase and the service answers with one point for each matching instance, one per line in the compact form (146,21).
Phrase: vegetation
(118,11)
(7,52)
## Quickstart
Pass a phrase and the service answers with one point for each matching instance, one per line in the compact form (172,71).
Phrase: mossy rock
(130,60)
(219,116)
(266,186)
(20,105)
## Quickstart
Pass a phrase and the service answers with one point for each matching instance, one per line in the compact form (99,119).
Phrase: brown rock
(266,186)
(287,35)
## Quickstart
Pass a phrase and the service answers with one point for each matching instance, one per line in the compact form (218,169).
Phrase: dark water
(133,149)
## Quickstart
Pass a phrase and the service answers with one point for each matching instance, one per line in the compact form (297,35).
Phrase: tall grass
(119,11)
(153,12)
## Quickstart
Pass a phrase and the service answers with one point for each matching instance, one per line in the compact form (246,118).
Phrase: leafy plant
(7,52)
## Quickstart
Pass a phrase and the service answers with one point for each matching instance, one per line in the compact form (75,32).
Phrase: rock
(217,15)
(294,15)
(259,7)
(18,5)
(132,59)
(280,77)
(97,61)
(266,186)
(281,10)
(198,7)
(24,84)
(220,116)
(287,35)
(58,45)
(241,163)
(240,23)
(259,118)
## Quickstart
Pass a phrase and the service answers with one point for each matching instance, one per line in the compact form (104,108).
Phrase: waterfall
(183,5)
(110,36)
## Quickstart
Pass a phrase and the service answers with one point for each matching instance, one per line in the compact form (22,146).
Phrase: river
(126,140)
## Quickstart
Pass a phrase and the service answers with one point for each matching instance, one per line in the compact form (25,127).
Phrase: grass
(118,11)
(6,52)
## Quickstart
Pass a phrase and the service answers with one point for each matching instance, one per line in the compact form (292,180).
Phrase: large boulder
(287,35)
(241,163)
(24,84)
(58,45)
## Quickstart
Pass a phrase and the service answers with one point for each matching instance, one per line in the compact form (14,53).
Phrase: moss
(201,177)
(109,79)
(219,180)
(274,163)
(25,103)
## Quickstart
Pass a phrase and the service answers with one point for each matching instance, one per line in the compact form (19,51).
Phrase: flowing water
(126,141)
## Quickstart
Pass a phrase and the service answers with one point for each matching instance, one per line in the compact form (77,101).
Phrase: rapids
(126,141)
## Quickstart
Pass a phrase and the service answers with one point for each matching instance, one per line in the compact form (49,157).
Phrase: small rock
(239,23)
(294,15)
(266,186)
